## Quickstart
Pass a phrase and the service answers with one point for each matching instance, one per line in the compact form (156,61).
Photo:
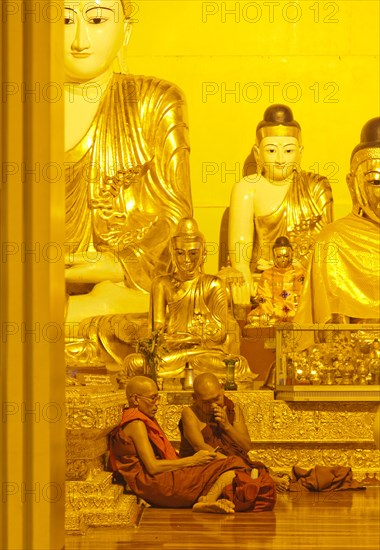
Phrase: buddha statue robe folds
(189,314)
(127,180)
(300,216)
(344,279)
(197,328)
(342,283)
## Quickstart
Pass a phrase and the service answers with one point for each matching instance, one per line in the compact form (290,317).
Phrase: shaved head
(140,385)
(205,383)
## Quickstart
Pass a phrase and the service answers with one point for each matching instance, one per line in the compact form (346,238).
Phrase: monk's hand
(220,416)
(219,453)
(203,457)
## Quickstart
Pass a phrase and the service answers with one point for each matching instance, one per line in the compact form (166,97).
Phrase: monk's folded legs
(211,501)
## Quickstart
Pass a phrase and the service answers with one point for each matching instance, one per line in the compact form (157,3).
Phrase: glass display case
(329,362)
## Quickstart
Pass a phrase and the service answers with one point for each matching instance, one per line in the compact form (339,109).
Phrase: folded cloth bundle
(323,478)
(255,495)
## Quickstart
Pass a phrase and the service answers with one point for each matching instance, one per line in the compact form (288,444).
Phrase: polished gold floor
(313,521)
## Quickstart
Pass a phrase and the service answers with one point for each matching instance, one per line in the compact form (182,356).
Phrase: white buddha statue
(280,199)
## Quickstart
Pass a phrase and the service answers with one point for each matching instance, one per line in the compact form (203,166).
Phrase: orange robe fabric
(176,489)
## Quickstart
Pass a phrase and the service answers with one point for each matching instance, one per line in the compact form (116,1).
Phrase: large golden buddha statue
(127,169)
(280,199)
(343,280)
(189,313)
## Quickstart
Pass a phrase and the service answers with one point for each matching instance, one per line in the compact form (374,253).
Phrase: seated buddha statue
(189,312)
(342,283)
(127,166)
(279,199)
(279,287)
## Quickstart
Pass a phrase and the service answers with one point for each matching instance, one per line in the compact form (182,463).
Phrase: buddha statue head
(278,145)
(95,33)
(188,250)
(364,177)
(282,253)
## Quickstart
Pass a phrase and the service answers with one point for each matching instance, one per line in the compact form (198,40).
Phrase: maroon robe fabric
(323,478)
(257,495)
(214,436)
(175,489)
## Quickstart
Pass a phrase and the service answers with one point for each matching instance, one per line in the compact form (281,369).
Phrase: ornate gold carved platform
(305,433)
(91,497)
(283,434)
(325,393)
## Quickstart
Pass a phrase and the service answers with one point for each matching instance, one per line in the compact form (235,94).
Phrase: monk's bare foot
(282,483)
(221,506)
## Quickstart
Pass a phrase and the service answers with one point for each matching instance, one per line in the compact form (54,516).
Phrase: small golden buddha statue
(127,166)
(342,284)
(279,199)
(189,311)
(279,287)
(374,361)
(361,372)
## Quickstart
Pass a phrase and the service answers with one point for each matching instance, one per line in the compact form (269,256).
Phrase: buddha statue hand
(135,364)
(180,340)
(119,230)
(263,264)
(84,353)
(93,267)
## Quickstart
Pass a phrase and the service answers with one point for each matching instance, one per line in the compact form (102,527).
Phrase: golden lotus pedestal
(329,429)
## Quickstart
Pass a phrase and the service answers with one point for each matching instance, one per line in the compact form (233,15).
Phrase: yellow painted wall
(232,59)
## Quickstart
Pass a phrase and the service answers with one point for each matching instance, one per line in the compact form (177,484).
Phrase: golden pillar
(32,278)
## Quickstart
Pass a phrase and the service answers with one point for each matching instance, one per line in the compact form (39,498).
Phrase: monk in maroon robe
(215,423)
(141,453)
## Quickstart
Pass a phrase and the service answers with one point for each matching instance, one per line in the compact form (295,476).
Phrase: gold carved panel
(365,462)
(271,420)
(86,409)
